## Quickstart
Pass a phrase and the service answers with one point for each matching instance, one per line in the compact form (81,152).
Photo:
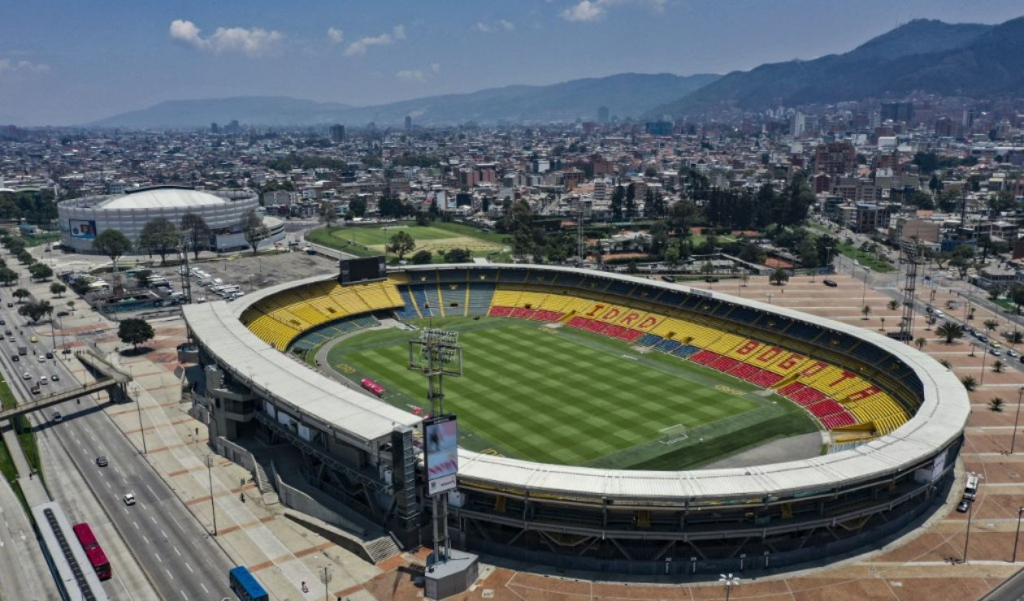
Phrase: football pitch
(435,237)
(558,395)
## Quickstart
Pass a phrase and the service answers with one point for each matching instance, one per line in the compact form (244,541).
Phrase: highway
(171,546)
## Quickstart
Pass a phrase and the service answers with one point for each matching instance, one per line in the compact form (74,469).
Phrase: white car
(26,376)
(43,380)
(42,358)
(129,498)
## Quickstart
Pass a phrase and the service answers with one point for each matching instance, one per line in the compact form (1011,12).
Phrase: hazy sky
(72,61)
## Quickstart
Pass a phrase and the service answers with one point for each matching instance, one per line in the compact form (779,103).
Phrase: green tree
(998,366)
(421,257)
(618,200)
(327,212)
(950,331)
(113,244)
(57,289)
(254,230)
(40,271)
(990,324)
(160,236)
(996,405)
(893,305)
(401,244)
(458,255)
(21,294)
(778,277)
(8,276)
(35,310)
(197,233)
(357,206)
(920,343)
(71,305)
(865,310)
(970,383)
(135,331)
(24,257)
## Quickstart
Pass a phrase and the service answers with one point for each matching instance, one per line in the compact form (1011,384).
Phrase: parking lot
(250,272)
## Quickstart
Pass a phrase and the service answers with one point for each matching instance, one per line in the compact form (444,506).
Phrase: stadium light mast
(437,354)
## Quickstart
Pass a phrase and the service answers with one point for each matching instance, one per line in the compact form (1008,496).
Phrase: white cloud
(335,35)
(415,75)
(595,10)
(360,46)
(585,11)
(419,75)
(8,65)
(253,42)
(500,24)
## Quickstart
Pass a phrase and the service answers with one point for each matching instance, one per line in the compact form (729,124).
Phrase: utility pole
(213,505)
(325,577)
(1020,512)
(1013,439)
(138,408)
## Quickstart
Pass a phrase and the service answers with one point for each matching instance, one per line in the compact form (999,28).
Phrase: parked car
(964,505)
(830,283)
(62,314)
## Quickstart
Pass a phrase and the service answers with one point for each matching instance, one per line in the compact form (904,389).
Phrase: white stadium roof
(162,198)
(939,420)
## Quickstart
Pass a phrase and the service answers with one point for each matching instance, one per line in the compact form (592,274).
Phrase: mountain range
(921,56)
(625,95)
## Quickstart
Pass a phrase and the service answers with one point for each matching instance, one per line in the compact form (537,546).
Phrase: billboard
(441,453)
(82,229)
(362,270)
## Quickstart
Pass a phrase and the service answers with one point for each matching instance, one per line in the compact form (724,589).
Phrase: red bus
(374,388)
(93,551)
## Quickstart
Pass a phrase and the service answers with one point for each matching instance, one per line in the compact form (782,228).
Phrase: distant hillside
(929,56)
(264,110)
(625,95)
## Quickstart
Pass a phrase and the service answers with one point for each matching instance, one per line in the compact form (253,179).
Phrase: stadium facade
(896,418)
(82,219)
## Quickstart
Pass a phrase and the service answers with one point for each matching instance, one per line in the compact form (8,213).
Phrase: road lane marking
(182,593)
(136,524)
(151,491)
(145,538)
(189,568)
(175,548)
(154,519)
(157,556)
(205,590)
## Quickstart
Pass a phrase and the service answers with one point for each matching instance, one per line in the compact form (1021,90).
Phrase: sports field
(575,398)
(434,237)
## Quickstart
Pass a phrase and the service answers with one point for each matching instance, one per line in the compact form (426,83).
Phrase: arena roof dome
(162,198)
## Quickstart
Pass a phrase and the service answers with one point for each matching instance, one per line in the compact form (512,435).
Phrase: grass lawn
(576,398)
(866,259)
(26,437)
(369,240)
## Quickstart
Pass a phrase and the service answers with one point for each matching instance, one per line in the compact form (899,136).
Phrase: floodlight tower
(910,255)
(437,354)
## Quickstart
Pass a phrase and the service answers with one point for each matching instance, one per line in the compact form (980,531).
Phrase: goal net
(673,434)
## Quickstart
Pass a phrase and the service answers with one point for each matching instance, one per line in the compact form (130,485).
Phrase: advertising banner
(82,229)
(441,444)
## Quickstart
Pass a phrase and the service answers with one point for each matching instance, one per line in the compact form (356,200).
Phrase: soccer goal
(673,434)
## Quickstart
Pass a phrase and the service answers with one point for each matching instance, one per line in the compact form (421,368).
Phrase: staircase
(263,484)
(381,548)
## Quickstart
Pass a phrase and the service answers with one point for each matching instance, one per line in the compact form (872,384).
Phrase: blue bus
(245,586)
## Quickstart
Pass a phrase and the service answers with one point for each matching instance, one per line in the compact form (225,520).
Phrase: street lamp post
(213,505)
(729,581)
(967,540)
(138,407)
(1013,439)
(984,358)
(769,298)
(864,293)
(1020,513)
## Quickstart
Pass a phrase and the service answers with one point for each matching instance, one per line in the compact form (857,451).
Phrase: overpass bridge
(110,379)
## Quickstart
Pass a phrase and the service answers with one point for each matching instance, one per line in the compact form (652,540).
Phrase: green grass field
(575,398)
(369,240)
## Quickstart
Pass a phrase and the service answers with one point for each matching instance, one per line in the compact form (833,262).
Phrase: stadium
(592,407)
(82,219)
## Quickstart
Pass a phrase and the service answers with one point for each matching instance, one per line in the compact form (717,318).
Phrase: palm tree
(920,342)
(950,331)
(866,310)
(945,363)
(883,325)
(998,367)
(996,405)
(990,324)
(894,304)
(969,383)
